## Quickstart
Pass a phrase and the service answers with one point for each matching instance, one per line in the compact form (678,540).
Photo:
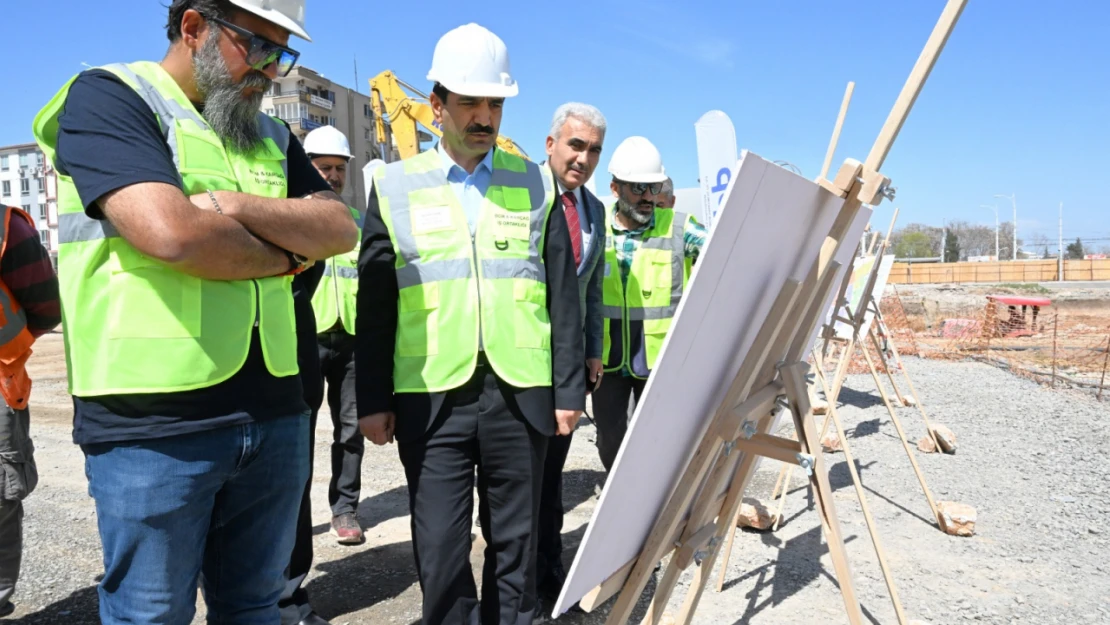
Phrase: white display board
(771,230)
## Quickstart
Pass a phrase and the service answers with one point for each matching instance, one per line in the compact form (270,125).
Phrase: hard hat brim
(479,90)
(312,155)
(270,15)
(645,178)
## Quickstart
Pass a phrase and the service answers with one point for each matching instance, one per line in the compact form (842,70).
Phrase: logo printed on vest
(511,225)
(431,219)
(268,178)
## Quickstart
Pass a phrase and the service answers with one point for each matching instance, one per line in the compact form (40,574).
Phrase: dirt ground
(1028,460)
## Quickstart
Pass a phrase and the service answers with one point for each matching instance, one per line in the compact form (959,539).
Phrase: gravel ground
(1028,461)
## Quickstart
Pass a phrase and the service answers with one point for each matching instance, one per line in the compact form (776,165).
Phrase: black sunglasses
(261,51)
(638,188)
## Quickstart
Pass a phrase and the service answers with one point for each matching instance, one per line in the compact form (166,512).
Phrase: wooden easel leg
(794,382)
(913,392)
(879,552)
(886,366)
(902,437)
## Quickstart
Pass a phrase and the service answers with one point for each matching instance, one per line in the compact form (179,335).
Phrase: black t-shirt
(108,138)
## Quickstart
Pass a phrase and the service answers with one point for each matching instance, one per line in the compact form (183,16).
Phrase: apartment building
(27,181)
(307,100)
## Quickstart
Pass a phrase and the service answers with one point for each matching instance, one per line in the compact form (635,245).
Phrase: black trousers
(476,428)
(550,537)
(337,368)
(614,403)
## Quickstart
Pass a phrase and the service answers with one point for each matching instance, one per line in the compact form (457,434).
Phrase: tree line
(959,240)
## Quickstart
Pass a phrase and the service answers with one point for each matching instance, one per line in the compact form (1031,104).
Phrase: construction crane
(395,108)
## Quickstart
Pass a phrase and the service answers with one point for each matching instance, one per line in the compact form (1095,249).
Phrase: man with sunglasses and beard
(469,337)
(186,222)
(649,254)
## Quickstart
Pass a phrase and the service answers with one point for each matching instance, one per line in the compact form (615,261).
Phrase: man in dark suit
(469,337)
(573,151)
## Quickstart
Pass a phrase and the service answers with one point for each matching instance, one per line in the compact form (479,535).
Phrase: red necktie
(570,209)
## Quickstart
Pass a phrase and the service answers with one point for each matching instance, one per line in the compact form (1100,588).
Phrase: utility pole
(1060,249)
(997,254)
(1013,200)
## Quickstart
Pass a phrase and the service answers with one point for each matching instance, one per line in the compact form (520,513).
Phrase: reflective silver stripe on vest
(397,186)
(16,320)
(437,271)
(270,128)
(165,108)
(342,272)
(78,227)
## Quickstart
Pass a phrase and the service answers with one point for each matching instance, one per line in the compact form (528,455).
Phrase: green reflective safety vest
(639,315)
(135,325)
(460,293)
(337,294)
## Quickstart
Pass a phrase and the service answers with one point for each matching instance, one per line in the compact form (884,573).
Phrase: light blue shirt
(470,189)
(583,217)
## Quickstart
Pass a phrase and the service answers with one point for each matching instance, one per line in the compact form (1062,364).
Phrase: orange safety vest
(15,338)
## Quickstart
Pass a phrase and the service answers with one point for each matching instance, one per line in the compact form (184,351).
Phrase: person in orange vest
(29,308)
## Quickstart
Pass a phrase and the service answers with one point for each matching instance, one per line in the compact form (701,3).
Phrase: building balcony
(304,97)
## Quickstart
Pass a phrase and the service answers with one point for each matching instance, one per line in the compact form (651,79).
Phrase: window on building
(366,133)
(24,159)
(41,184)
(39,158)
(331,121)
(4,162)
(42,211)
(25,185)
(367,111)
(44,236)
(7,187)
(27,208)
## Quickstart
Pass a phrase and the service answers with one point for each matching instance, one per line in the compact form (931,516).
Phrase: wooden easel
(700,509)
(855,321)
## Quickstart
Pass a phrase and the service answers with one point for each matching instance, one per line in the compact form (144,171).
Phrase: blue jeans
(219,506)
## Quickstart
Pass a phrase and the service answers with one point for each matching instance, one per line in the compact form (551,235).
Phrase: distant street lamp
(1013,200)
(995,209)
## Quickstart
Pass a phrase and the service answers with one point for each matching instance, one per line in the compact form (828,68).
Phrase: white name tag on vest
(431,219)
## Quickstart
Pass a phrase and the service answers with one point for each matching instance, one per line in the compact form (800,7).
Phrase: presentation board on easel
(861,272)
(756,246)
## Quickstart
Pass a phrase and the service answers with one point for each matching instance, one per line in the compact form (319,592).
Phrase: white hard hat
(289,14)
(327,141)
(637,160)
(472,61)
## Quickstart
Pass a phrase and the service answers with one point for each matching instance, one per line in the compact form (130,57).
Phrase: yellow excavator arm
(401,112)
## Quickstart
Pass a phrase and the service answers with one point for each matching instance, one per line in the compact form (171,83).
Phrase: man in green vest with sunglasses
(186,222)
(649,253)
(469,337)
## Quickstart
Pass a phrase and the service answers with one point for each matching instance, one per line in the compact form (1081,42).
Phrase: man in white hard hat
(469,337)
(648,258)
(574,146)
(187,220)
(334,305)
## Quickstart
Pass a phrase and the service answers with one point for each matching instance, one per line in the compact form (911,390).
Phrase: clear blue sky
(1017,104)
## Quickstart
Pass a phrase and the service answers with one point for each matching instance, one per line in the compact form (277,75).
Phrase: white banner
(716,160)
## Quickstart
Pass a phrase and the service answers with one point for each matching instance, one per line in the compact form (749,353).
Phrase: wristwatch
(297,263)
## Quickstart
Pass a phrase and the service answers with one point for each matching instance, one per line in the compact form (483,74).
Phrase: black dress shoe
(313,619)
